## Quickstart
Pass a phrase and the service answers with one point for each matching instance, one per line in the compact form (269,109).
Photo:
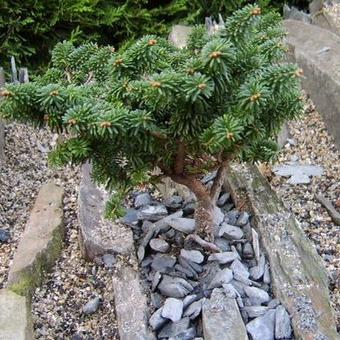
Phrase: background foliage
(30,28)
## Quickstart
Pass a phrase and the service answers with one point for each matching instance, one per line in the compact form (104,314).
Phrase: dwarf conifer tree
(186,111)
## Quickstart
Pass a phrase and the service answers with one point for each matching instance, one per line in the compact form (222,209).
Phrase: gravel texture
(311,144)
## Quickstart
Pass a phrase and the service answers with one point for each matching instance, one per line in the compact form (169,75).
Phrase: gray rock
(189,208)
(109,260)
(162,262)
(194,310)
(188,334)
(159,245)
(188,300)
(240,271)
(231,217)
(209,177)
(222,243)
(174,287)
(4,235)
(156,320)
(189,273)
(173,202)
(242,219)
(230,232)
(218,216)
(191,266)
(146,225)
(156,300)
(248,252)
(224,258)
(130,218)
(273,303)
(283,329)
(142,200)
(257,296)
(152,212)
(172,309)
(266,275)
(239,286)
(192,255)
(257,272)
(223,199)
(256,311)
(256,244)
(230,291)
(295,14)
(185,225)
(262,328)
(173,329)
(91,306)
(155,280)
(222,276)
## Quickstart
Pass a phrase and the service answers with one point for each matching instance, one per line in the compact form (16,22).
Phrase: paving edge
(298,275)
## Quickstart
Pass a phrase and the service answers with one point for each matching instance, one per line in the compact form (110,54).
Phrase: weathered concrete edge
(249,188)
(24,281)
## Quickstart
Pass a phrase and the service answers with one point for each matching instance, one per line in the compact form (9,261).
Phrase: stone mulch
(311,144)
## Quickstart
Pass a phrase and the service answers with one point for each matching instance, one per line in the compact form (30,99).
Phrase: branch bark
(179,161)
(218,182)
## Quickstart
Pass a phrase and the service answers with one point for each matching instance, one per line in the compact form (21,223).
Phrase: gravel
(311,144)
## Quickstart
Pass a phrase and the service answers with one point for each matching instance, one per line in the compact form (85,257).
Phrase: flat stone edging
(299,278)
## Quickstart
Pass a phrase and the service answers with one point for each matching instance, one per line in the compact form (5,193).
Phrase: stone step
(15,317)
(41,242)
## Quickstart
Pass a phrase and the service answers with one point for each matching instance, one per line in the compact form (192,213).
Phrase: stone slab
(99,236)
(15,317)
(298,275)
(41,242)
(222,319)
(2,142)
(317,52)
(131,305)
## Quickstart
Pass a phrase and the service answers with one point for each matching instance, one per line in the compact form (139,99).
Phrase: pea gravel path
(311,144)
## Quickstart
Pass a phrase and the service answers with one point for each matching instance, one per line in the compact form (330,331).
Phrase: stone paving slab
(41,242)
(316,51)
(15,317)
(298,275)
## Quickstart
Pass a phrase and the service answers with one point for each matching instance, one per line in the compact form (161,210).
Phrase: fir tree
(186,111)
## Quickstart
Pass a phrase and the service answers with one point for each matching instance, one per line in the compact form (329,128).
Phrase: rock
(193,267)
(257,272)
(155,281)
(41,242)
(188,300)
(91,306)
(173,329)
(222,319)
(152,212)
(273,303)
(256,244)
(242,219)
(194,310)
(174,287)
(230,232)
(222,276)
(283,329)
(218,216)
(294,14)
(224,258)
(109,260)
(188,334)
(189,273)
(256,311)
(156,320)
(189,209)
(146,225)
(156,300)
(222,243)
(4,235)
(192,255)
(209,177)
(172,309)
(159,245)
(142,199)
(239,286)
(240,271)
(262,328)
(248,252)
(231,217)
(223,199)
(162,262)
(183,224)
(173,202)
(15,317)
(257,296)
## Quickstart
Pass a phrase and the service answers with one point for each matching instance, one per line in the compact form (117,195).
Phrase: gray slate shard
(273,303)
(162,262)
(159,245)
(242,219)
(190,265)
(192,255)
(189,208)
(248,252)
(223,199)
(91,306)
(109,260)
(152,212)
(240,272)
(130,218)
(194,310)
(224,258)
(188,334)
(156,300)
(257,296)
(172,309)
(239,286)
(283,329)
(231,217)
(218,216)
(230,232)
(189,273)
(156,320)
(142,200)
(222,243)
(185,225)
(189,299)
(4,235)
(209,177)
(173,202)
(173,329)
(222,276)
(266,275)
(262,328)
(256,311)
(230,291)
(257,272)
(155,280)
(174,287)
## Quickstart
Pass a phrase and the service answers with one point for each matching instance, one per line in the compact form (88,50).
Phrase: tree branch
(158,135)
(218,182)
(179,161)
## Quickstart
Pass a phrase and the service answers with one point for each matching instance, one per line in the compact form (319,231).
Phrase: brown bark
(218,182)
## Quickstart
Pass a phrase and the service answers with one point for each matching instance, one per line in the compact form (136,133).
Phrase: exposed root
(203,243)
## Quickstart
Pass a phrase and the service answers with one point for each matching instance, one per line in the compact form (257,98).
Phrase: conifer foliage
(186,111)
